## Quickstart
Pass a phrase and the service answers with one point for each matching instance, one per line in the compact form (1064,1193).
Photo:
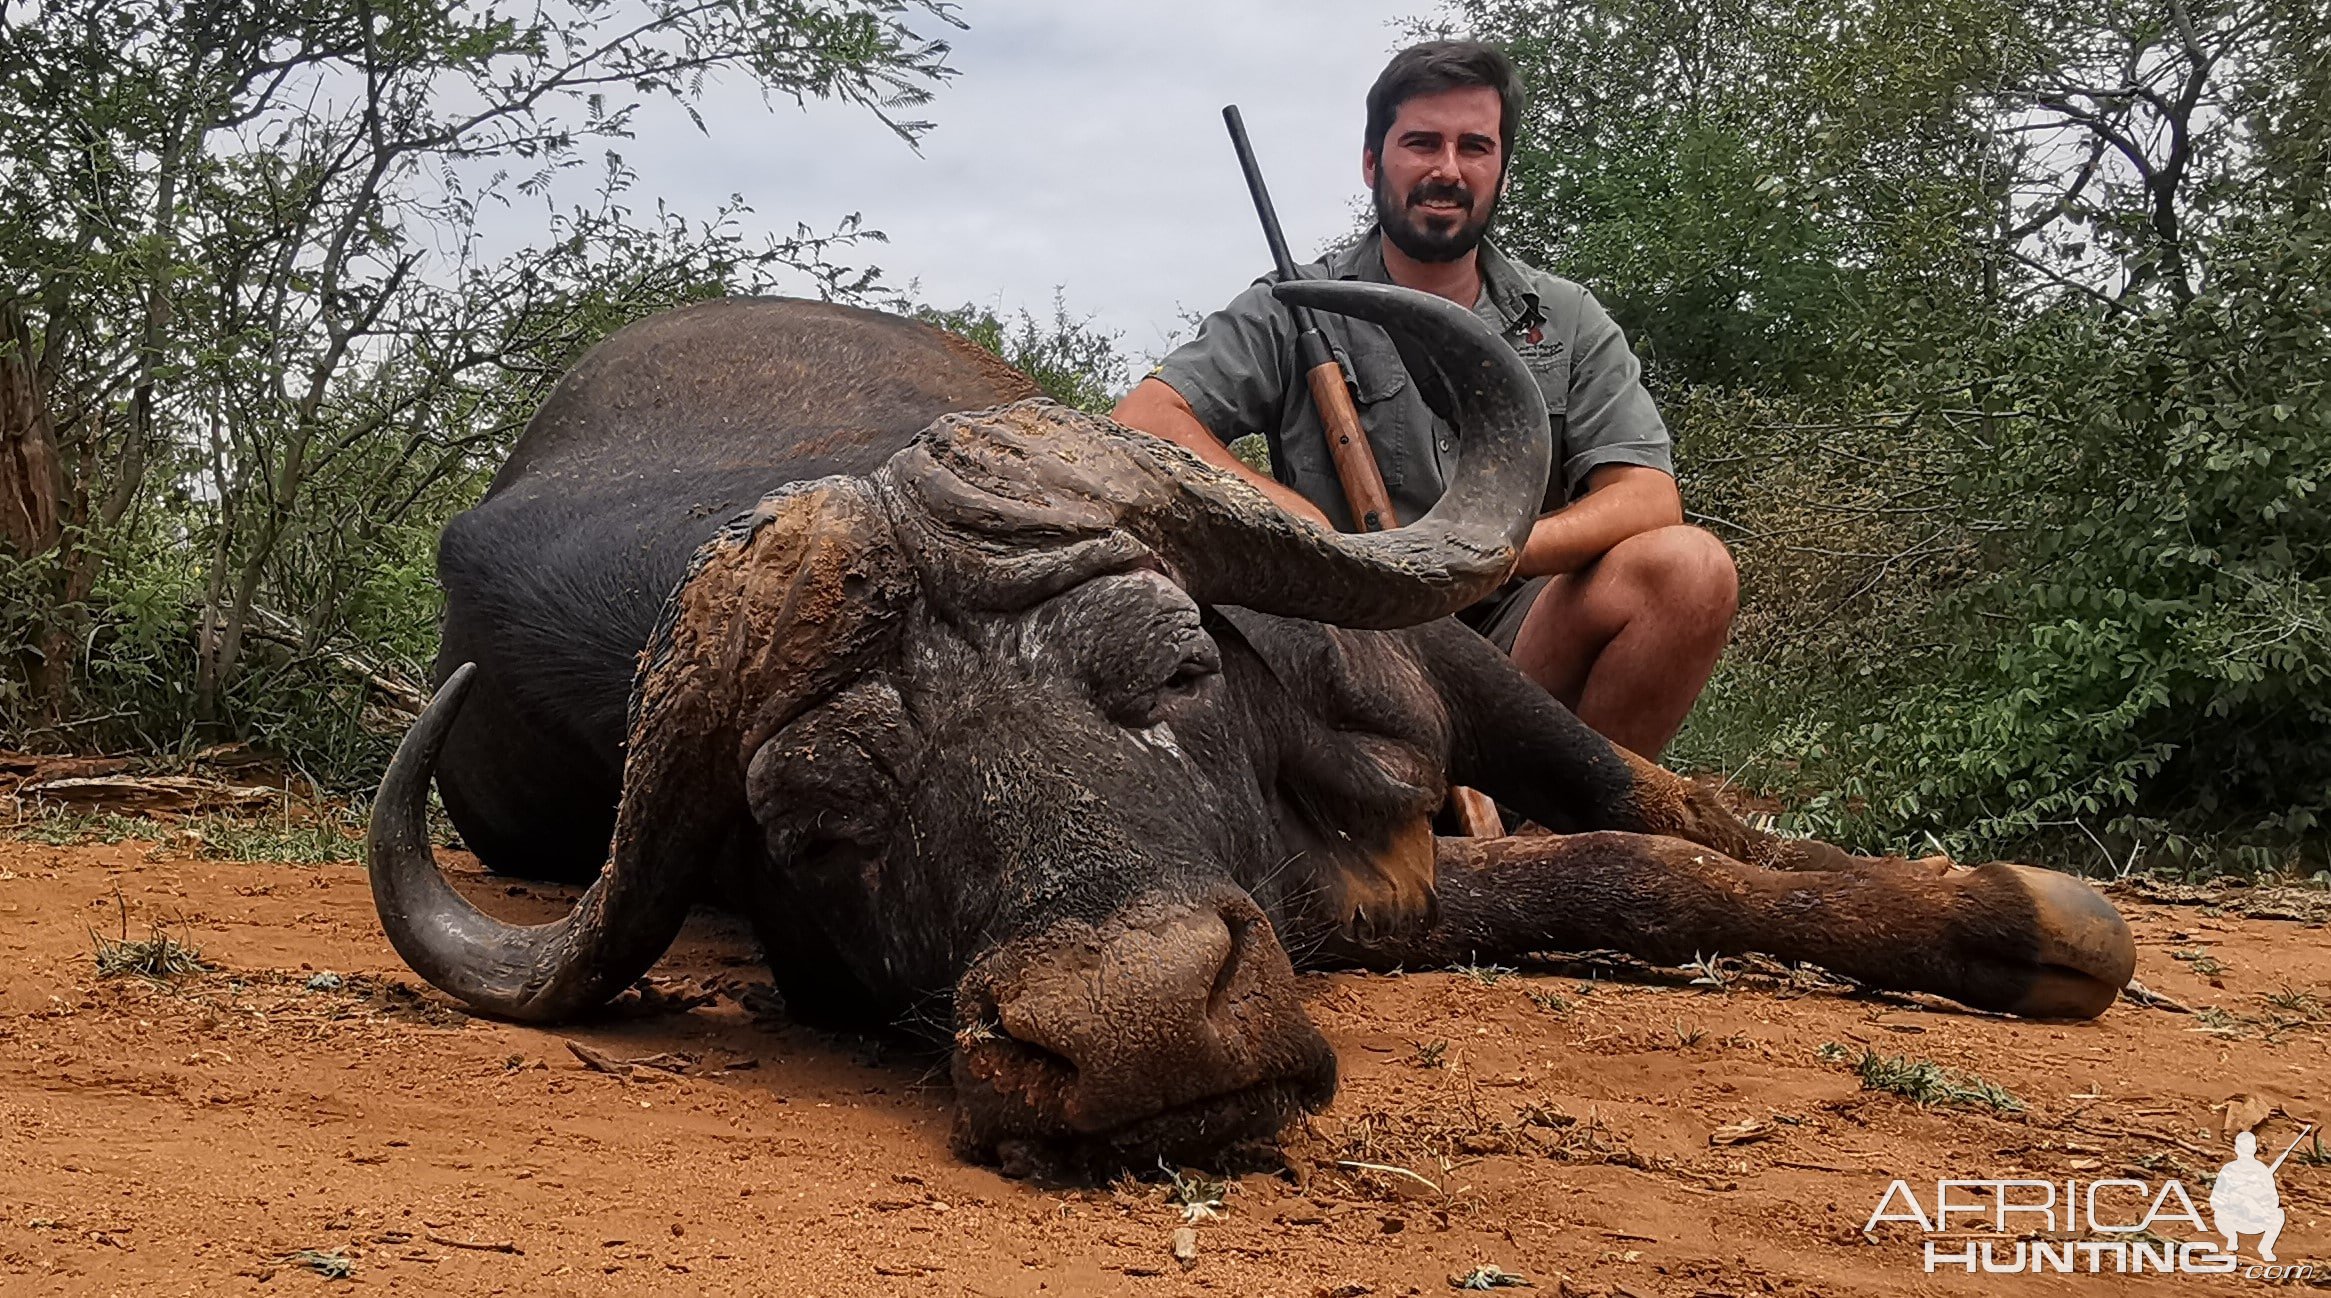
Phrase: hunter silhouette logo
(2244,1200)
(2119,1225)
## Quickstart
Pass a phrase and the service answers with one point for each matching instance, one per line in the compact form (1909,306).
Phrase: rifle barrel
(1347,441)
(1261,194)
(2276,1165)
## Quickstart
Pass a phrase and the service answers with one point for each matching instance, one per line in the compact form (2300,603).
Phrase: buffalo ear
(833,775)
(825,793)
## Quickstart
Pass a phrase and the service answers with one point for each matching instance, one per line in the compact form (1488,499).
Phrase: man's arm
(1620,500)
(1617,467)
(1154,407)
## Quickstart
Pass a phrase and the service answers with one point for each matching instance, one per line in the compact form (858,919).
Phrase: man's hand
(1155,408)
(1621,500)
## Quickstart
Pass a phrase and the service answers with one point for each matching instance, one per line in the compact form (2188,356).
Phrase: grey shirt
(1240,376)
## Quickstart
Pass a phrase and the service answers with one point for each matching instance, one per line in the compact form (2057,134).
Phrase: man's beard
(1441,240)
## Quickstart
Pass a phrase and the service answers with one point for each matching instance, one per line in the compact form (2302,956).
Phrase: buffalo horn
(784,605)
(531,972)
(1241,549)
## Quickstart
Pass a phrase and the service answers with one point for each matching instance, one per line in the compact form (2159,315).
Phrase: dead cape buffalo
(1033,710)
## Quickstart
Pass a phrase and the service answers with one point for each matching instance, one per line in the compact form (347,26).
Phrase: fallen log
(32,768)
(149,794)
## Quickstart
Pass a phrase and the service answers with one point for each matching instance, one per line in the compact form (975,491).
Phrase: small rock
(2243,1112)
(327,981)
(1186,1246)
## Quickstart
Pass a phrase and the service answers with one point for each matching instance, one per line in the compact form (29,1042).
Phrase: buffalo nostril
(1161,1005)
(1092,1028)
(1038,1057)
(1241,927)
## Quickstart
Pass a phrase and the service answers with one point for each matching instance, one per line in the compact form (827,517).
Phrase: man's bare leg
(1628,642)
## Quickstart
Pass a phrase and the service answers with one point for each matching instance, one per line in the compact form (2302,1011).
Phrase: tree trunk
(31,482)
(50,680)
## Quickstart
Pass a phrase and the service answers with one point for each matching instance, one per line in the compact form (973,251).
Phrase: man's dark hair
(1435,66)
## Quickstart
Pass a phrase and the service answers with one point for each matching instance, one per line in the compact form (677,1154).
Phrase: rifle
(2276,1165)
(1347,442)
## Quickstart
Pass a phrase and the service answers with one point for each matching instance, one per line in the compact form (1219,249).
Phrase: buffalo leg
(2000,937)
(1513,741)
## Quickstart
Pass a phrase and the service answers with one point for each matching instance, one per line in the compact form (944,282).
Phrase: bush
(2111,632)
(1075,363)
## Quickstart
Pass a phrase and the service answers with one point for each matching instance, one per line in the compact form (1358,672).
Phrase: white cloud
(1082,146)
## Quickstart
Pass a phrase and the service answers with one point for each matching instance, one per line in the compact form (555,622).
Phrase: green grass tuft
(1552,1002)
(157,957)
(1199,1197)
(1926,1082)
(1488,975)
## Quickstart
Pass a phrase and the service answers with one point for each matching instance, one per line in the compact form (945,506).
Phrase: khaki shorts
(1499,616)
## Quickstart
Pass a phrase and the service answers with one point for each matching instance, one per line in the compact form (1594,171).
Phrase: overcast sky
(1081,146)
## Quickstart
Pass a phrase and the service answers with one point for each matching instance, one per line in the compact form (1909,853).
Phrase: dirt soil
(1591,1134)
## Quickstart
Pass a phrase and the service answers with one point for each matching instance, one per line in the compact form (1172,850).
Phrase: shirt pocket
(1371,362)
(1391,408)
(1548,361)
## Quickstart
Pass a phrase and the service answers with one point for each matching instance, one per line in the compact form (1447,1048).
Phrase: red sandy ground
(190,1139)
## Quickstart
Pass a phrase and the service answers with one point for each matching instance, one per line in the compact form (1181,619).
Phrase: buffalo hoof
(2081,953)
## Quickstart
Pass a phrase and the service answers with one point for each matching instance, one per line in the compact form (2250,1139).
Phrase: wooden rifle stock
(1347,441)
(1347,445)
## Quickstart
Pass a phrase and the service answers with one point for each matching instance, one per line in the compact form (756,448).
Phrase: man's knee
(1683,572)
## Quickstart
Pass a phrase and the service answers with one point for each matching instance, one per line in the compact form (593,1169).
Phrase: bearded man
(1616,608)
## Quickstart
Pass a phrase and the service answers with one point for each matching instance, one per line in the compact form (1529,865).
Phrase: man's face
(1436,181)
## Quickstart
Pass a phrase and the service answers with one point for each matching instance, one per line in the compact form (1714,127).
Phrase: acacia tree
(238,263)
(2121,129)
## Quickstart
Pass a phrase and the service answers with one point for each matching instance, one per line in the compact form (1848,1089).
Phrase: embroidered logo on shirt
(1538,352)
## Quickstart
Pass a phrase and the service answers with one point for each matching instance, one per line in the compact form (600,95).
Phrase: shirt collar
(1510,295)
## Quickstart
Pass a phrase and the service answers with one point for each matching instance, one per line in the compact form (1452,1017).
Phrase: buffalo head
(966,725)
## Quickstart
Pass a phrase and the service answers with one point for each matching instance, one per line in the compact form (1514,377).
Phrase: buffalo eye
(1198,662)
(1181,674)
(1137,640)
